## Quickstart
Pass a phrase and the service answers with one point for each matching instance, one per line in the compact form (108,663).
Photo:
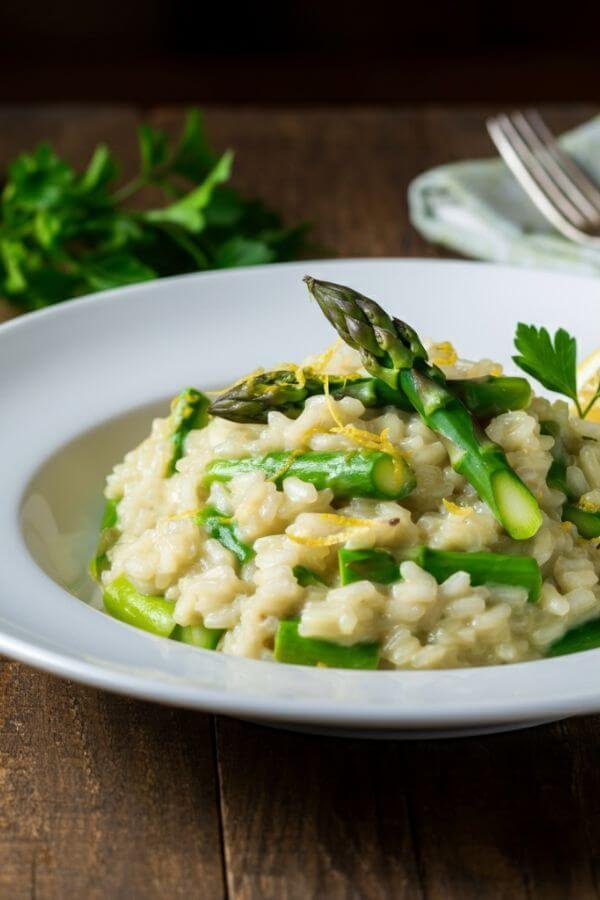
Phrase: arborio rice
(418,623)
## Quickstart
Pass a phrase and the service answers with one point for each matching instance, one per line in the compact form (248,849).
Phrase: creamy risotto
(337,532)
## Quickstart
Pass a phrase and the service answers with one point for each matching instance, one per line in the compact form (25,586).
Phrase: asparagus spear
(557,473)
(483,568)
(291,647)
(109,534)
(197,636)
(154,614)
(252,400)
(367,565)
(492,395)
(189,410)
(586,521)
(306,577)
(584,637)
(391,350)
(226,531)
(363,473)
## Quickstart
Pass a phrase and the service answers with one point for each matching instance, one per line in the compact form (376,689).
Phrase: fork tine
(532,176)
(547,160)
(577,174)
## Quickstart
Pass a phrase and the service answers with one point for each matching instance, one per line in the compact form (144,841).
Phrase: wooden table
(104,797)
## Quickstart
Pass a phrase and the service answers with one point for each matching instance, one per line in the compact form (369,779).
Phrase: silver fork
(562,192)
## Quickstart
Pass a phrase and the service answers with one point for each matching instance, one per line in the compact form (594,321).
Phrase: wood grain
(105,797)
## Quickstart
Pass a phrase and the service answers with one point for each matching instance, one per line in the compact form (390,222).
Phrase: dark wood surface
(105,797)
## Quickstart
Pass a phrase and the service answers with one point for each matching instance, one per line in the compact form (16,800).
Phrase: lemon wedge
(588,375)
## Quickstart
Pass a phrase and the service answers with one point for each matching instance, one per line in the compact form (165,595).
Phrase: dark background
(171,51)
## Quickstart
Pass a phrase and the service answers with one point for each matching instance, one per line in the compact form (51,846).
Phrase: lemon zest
(444,354)
(188,514)
(457,510)
(320,363)
(365,439)
(348,524)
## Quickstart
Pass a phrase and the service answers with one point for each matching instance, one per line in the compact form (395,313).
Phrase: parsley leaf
(553,364)
(65,233)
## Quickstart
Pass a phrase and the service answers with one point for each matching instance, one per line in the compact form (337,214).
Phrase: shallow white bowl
(79,384)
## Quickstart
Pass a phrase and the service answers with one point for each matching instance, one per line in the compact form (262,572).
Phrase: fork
(562,192)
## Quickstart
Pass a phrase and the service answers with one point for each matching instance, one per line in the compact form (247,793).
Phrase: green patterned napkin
(479,209)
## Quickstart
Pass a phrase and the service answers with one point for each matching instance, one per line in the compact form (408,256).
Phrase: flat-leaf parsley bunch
(65,233)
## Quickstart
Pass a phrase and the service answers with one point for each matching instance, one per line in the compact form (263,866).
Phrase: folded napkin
(479,209)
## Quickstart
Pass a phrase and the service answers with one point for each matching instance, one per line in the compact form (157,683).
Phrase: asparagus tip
(310,281)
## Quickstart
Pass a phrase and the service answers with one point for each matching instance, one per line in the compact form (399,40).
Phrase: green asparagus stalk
(367,565)
(291,647)
(586,521)
(483,568)
(306,577)
(252,400)
(109,534)
(197,636)
(154,614)
(391,350)
(557,473)
(492,395)
(362,473)
(226,531)
(189,410)
(584,637)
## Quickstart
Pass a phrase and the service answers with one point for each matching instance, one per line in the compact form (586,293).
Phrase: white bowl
(79,385)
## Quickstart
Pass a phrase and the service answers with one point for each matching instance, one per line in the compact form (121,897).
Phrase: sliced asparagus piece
(361,473)
(109,534)
(291,647)
(367,565)
(557,473)
(584,637)
(483,568)
(492,395)
(283,390)
(391,350)
(225,530)
(154,614)
(306,577)
(586,521)
(189,410)
(197,636)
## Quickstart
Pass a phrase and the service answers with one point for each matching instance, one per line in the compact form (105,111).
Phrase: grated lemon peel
(188,514)
(348,525)
(457,510)
(317,368)
(365,439)
(443,354)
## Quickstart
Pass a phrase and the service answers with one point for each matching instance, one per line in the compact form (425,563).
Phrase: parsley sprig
(553,362)
(65,233)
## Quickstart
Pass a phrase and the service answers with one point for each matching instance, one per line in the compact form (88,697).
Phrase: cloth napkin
(479,209)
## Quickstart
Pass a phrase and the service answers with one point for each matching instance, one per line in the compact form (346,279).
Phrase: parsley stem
(589,406)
